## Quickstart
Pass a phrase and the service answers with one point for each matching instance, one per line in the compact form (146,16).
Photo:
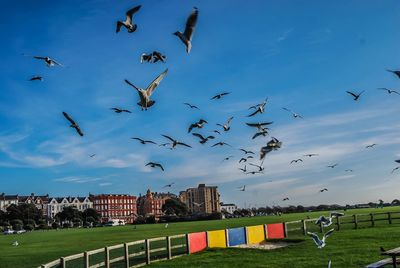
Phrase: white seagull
(320,242)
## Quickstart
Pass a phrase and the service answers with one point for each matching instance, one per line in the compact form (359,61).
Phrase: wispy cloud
(77,179)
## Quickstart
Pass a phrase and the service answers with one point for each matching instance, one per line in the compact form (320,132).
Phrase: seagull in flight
(396,168)
(273,145)
(259,108)
(142,141)
(154,165)
(198,124)
(254,172)
(296,160)
(175,142)
(227,158)
(221,143)
(285,199)
(323,190)
(320,242)
(246,152)
(191,106)
(36,78)
(389,91)
(259,126)
(187,35)
(397,73)
(243,169)
(119,110)
(92,155)
(349,170)
(397,161)
(355,95)
(216,131)
(226,126)
(49,61)
(169,185)
(332,166)
(263,133)
(203,139)
(325,221)
(242,160)
(128,23)
(371,145)
(157,56)
(242,188)
(310,155)
(295,115)
(145,94)
(260,168)
(73,124)
(220,95)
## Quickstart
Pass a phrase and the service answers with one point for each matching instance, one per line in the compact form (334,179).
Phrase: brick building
(115,207)
(203,199)
(40,201)
(151,203)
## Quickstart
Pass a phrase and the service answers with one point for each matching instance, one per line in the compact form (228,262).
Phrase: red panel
(197,242)
(275,231)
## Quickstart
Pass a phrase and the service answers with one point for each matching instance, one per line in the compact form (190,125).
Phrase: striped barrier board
(275,230)
(197,242)
(216,239)
(236,236)
(255,234)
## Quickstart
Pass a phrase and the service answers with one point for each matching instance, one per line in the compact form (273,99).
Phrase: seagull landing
(128,23)
(320,242)
(153,165)
(355,95)
(187,35)
(145,94)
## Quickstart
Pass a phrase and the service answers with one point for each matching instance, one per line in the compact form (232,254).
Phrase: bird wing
(286,109)
(218,143)
(229,120)
(77,128)
(132,85)
(130,13)
(39,57)
(198,135)
(119,25)
(168,137)
(225,93)
(184,144)
(139,139)
(315,238)
(127,111)
(69,118)
(254,113)
(352,94)
(59,64)
(251,164)
(191,24)
(155,83)
(148,164)
(159,165)
(329,233)
(211,137)
(149,141)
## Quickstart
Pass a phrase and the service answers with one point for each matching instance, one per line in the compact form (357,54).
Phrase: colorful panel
(197,242)
(275,231)
(236,236)
(216,239)
(255,234)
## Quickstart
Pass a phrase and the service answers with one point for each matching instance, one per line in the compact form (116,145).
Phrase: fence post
(372,220)
(338,223)
(107,257)
(147,251)
(63,262)
(126,255)
(86,259)
(304,227)
(187,244)
(169,247)
(285,227)
(355,221)
(390,217)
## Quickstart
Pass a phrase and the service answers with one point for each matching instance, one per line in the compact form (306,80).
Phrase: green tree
(174,206)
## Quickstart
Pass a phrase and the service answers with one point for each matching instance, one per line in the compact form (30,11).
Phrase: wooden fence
(142,252)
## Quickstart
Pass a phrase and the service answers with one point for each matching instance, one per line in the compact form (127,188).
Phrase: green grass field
(347,248)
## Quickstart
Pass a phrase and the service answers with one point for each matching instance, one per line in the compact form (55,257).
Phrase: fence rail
(171,251)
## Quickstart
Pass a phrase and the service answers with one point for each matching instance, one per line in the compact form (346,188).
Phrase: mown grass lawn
(40,247)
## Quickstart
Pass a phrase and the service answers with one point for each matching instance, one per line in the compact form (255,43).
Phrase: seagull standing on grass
(320,242)
(145,94)
(128,23)
(187,35)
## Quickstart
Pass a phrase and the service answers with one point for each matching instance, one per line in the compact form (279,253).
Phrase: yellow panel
(255,234)
(216,239)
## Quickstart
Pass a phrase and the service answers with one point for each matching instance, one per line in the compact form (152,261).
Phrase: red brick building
(151,203)
(115,207)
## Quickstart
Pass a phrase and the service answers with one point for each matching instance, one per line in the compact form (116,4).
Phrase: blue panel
(237,236)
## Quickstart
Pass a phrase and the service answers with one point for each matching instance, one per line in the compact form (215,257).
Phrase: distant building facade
(40,201)
(151,203)
(203,199)
(229,208)
(115,207)
(57,204)
(7,200)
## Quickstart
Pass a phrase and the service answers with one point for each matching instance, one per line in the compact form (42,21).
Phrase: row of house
(203,199)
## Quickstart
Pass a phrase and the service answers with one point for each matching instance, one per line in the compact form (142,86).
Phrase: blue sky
(303,56)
